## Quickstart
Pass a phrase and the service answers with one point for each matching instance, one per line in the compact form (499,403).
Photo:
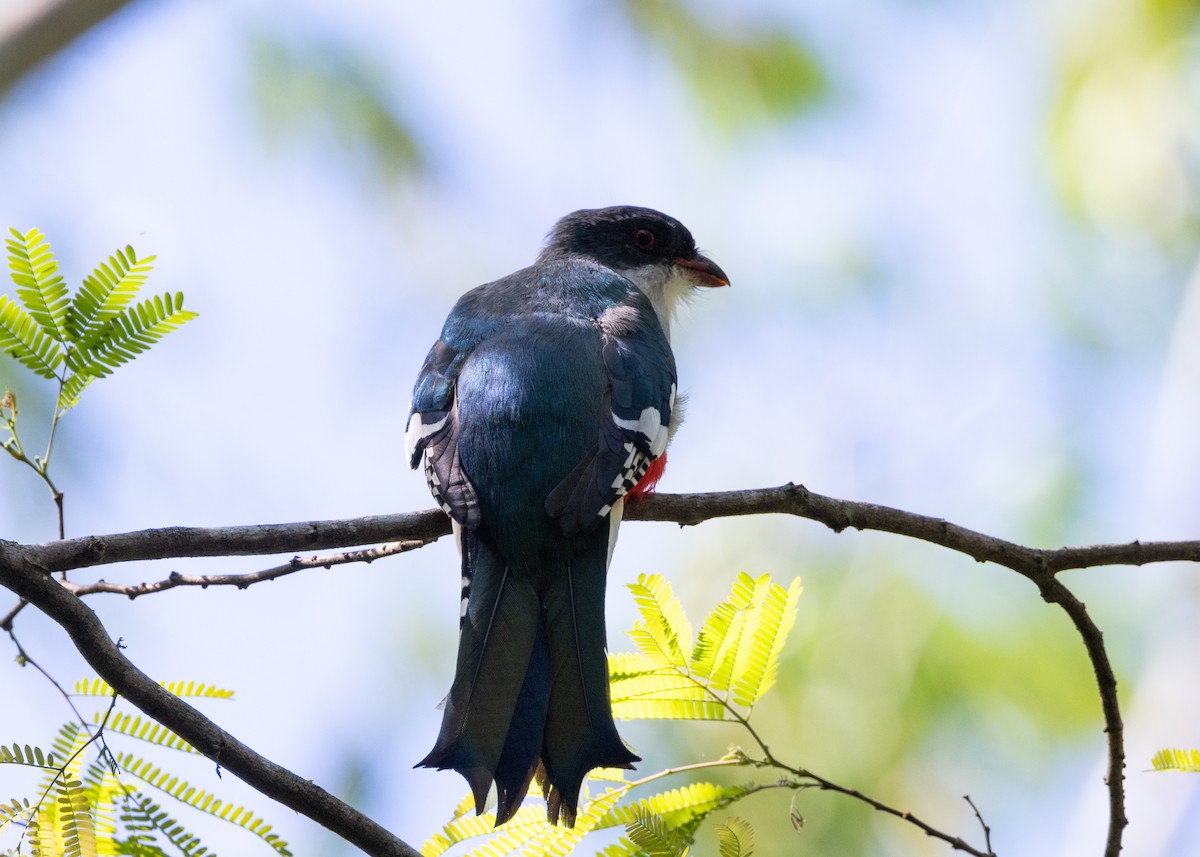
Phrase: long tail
(530,692)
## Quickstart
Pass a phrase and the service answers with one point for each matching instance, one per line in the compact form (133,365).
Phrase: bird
(546,402)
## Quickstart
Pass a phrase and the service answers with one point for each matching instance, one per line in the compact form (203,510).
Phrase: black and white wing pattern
(433,430)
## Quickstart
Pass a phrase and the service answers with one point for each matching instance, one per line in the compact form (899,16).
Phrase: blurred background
(962,238)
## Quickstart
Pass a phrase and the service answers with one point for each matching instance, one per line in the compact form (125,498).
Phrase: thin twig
(6,622)
(243,581)
(26,659)
(987,831)
(770,761)
(61,772)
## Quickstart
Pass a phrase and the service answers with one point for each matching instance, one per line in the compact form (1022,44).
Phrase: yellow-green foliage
(735,657)
(96,808)
(182,689)
(1177,760)
(732,662)
(736,837)
(78,338)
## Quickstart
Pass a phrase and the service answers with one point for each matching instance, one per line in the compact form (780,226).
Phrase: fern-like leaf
(516,833)
(653,836)
(72,388)
(14,809)
(40,287)
(196,690)
(146,820)
(25,340)
(1175,759)
(682,809)
(526,830)
(76,822)
(719,641)
(664,632)
(147,730)
(663,695)
(33,757)
(736,837)
(201,800)
(127,334)
(758,661)
(71,737)
(182,689)
(105,292)
(104,793)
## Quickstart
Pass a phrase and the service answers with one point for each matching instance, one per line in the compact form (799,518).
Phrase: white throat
(666,286)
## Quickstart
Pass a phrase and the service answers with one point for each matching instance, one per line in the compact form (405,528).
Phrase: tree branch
(253,540)
(45,593)
(25,569)
(26,43)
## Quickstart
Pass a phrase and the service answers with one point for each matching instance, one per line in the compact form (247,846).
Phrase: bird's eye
(644,239)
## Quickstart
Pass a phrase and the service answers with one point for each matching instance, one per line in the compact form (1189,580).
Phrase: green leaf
(682,809)
(147,730)
(736,837)
(128,334)
(527,830)
(1173,759)
(34,270)
(144,818)
(660,694)
(758,660)
(720,638)
(67,742)
(14,809)
(105,292)
(651,834)
(737,649)
(665,632)
(21,337)
(32,757)
(201,800)
(76,822)
(182,689)
(72,389)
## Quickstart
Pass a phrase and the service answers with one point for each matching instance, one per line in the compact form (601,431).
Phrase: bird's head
(656,252)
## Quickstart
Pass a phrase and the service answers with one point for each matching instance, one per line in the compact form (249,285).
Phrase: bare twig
(987,831)
(955,842)
(6,621)
(25,659)
(243,581)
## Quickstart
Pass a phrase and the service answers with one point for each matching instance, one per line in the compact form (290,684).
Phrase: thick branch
(684,509)
(255,540)
(91,639)
(29,41)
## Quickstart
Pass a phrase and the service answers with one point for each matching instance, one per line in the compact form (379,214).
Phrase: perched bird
(542,406)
